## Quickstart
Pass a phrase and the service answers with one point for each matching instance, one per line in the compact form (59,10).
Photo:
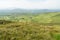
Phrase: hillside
(42,26)
(48,17)
(51,17)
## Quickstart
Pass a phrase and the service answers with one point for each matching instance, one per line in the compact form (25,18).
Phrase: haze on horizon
(30,4)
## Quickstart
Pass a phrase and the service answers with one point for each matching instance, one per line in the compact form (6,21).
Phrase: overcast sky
(30,4)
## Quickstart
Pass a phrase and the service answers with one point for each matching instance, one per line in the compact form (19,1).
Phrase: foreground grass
(29,31)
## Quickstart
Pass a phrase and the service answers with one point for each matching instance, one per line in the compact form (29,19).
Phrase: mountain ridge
(9,11)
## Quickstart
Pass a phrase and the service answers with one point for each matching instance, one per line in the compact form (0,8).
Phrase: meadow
(40,26)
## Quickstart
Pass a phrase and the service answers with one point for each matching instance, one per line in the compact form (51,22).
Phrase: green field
(40,26)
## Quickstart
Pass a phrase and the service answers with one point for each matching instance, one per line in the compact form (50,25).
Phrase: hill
(40,26)
(48,17)
(17,10)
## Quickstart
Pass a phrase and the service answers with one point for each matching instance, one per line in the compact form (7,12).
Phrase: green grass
(36,27)
(57,36)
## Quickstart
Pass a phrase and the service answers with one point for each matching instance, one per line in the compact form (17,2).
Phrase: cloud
(30,4)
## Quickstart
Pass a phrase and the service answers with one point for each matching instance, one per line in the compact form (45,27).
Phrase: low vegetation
(38,27)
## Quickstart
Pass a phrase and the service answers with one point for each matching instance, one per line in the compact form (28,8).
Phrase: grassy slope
(47,17)
(30,28)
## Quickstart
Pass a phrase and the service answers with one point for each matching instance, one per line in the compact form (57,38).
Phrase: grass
(57,36)
(27,31)
(30,28)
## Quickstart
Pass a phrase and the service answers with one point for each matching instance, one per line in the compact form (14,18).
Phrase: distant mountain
(8,11)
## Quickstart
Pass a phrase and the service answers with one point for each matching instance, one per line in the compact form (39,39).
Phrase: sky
(30,4)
